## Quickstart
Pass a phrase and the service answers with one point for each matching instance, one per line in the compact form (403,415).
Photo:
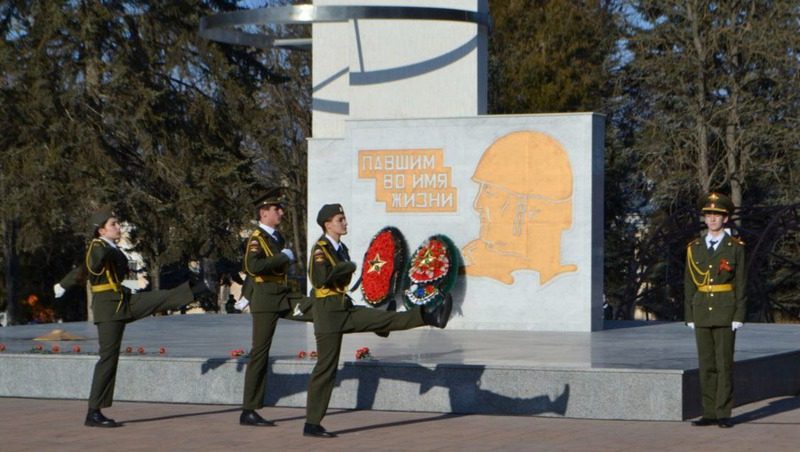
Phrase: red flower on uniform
(76,349)
(724,265)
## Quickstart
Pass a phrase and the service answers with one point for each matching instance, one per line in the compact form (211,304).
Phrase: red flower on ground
(162,351)
(38,347)
(140,350)
(56,349)
(237,352)
(128,349)
(313,354)
(2,347)
(362,353)
(301,355)
(76,349)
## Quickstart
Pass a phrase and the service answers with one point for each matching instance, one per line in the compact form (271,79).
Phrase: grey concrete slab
(631,371)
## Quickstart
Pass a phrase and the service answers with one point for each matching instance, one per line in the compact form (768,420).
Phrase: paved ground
(57,425)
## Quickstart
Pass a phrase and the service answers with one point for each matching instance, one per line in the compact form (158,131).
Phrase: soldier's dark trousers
(329,346)
(255,375)
(715,355)
(109,334)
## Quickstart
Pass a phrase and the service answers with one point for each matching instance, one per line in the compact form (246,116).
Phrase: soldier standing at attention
(714,286)
(113,306)
(266,262)
(330,271)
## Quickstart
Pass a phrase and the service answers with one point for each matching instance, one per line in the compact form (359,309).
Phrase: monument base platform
(631,370)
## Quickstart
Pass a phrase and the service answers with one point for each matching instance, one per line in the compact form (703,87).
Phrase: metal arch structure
(771,236)
(222,27)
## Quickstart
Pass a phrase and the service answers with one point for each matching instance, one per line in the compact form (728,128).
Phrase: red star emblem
(376,264)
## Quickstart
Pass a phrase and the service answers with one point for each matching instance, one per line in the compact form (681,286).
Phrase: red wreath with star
(383,260)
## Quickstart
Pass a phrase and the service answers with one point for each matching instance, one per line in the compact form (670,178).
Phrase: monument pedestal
(635,371)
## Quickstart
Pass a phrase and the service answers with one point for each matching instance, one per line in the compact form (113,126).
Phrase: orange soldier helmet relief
(525,203)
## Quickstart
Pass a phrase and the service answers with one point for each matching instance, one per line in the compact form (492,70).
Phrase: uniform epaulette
(257,232)
(693,242)
(738,240)
(321,242)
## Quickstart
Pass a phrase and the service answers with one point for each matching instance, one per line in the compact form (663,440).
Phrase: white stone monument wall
(520,196)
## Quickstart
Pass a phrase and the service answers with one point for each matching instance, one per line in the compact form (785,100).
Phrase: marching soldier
(113,306)
(715,307)
(330,271)
(266,262)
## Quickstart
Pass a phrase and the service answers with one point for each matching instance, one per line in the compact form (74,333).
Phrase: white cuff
(58,291)
(690,325)
(241,304)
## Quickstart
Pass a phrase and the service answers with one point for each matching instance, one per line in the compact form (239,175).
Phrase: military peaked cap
(716,203)
(271,198)
(327,212)
(99,218)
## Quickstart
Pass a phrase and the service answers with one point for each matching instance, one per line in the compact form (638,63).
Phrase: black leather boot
(438,316)
(94,418)
(704,422)
(250,417)
(317,431)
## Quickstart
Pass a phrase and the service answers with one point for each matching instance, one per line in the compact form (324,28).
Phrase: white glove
(288,253)
(736,325)
(241,304)
(690,325)
(58,291)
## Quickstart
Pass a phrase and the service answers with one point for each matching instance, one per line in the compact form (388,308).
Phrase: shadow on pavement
(774,407)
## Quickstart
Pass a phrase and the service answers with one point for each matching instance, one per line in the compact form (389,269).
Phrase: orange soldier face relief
(524,203)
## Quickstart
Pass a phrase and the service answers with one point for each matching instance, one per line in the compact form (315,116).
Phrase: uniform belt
(97,288)
(270,278)
(715,288)
(103,287)
(325,292)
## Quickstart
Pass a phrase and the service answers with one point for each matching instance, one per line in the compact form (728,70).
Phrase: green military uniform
(270,298)
(715,298)
(114,306)
(330,271)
